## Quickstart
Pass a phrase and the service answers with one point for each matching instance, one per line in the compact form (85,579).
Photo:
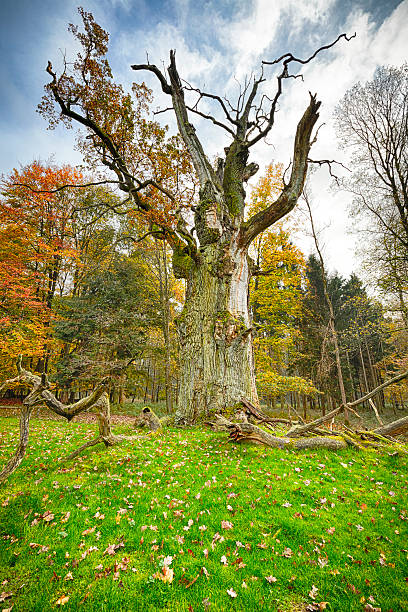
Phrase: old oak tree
(209,236)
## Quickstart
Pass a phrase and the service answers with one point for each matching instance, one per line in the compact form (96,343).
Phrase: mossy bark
(215,333)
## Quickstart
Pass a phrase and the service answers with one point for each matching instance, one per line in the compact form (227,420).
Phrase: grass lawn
(187,521)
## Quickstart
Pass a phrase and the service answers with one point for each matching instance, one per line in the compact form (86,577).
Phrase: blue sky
(217,42)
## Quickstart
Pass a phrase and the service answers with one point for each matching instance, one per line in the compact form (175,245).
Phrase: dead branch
(288,57)
(302,435)
(20,452)
(40,394)
(246,432)
(252,411)
(374,407)
(395,428)
(88,444)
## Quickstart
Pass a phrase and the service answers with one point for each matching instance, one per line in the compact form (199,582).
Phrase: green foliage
(108,324)
(276,298)
(361,327)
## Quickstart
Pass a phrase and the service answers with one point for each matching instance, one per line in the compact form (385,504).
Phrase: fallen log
(247,432)
(300,430)
(393,429)
(240,432)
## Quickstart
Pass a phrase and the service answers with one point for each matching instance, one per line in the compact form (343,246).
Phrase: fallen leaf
(88,531)
(166,575)
(313,592)
(271,579)
(226,525)
(5,595)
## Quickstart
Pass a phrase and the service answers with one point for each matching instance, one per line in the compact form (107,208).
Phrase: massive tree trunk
(215,334)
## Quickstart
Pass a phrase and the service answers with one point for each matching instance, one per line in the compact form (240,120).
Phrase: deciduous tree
(372,121)
(36,248)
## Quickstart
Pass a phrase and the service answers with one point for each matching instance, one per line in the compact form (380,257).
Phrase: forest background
(83,295)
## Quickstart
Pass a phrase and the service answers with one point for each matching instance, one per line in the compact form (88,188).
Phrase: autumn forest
(174,316)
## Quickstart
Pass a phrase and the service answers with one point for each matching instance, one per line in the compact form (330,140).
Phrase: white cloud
(212,49)
(331,74)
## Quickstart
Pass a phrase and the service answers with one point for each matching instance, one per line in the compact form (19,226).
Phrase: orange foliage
(34,247)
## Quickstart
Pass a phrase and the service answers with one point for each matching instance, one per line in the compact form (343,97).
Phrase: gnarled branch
(292,191)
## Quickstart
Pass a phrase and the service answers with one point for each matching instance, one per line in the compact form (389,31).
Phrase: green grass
(134,408)
(333,520)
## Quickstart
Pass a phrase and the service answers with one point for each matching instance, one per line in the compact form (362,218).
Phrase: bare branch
(203,94)
(211,118)
(151,68)
(163,110)
(292,191)
(328,163)
(288,57)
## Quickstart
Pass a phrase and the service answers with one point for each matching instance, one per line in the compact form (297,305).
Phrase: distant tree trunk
(147,384)
(273,403)
(165,302)
(332,319)
(351,375)
(363,368)
(122,394)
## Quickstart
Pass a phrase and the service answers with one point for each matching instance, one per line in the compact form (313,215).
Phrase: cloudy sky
(218,43)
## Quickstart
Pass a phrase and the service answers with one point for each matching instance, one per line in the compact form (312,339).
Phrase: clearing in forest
(187,521)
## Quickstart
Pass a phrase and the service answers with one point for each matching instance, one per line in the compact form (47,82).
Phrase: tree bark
(215,334)
(18,456)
